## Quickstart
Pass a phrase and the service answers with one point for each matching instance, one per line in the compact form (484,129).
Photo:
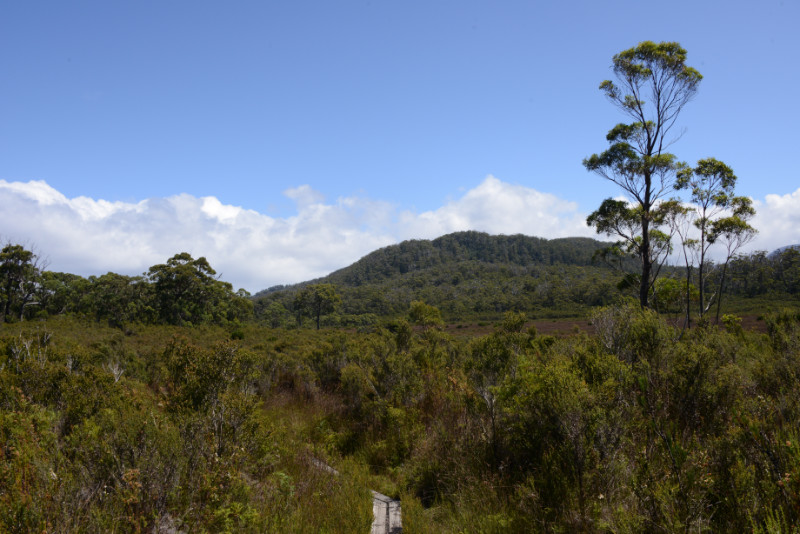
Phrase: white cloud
(36,190)
(777,220)
(304,195)
(497,207)
(247,248)
(253,250)
(224,214)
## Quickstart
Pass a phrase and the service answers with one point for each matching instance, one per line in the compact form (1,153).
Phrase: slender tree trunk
(700,270)
(493,417)
(688,295)
(22,307)
(702,289)
(7,304)
(721,285)
(644,286)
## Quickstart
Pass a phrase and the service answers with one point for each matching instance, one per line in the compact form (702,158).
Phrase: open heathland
(630,427)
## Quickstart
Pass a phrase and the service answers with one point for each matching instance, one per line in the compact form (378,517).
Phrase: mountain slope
(418,255)
(469,274)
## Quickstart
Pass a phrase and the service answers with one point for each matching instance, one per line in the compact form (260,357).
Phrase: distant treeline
(761,274)
(467,275)
(182,291)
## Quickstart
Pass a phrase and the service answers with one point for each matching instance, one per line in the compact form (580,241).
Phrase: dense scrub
(163,430)
(631,430)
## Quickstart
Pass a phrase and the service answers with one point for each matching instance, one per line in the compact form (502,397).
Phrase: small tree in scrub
(316,300)
(424,315)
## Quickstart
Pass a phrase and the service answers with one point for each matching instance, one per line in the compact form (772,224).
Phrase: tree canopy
(19,278)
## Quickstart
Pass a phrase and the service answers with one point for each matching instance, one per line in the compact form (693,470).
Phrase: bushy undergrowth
(169,429)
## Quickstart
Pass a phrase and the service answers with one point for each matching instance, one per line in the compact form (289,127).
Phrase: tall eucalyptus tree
(653,85)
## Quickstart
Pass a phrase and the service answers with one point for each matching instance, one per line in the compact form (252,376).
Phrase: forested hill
(418,255)
(421,254)
(467,273)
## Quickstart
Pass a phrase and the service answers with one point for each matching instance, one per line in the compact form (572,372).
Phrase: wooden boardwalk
(386,512)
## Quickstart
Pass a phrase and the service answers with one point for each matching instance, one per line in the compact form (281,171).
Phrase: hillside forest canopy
(170,402)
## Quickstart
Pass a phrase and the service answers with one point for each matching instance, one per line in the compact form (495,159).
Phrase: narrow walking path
(385,510)
(386,513)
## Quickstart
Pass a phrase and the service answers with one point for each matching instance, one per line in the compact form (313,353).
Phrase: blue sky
(283,140)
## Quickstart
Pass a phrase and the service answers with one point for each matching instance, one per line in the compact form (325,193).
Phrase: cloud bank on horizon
(252,250)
